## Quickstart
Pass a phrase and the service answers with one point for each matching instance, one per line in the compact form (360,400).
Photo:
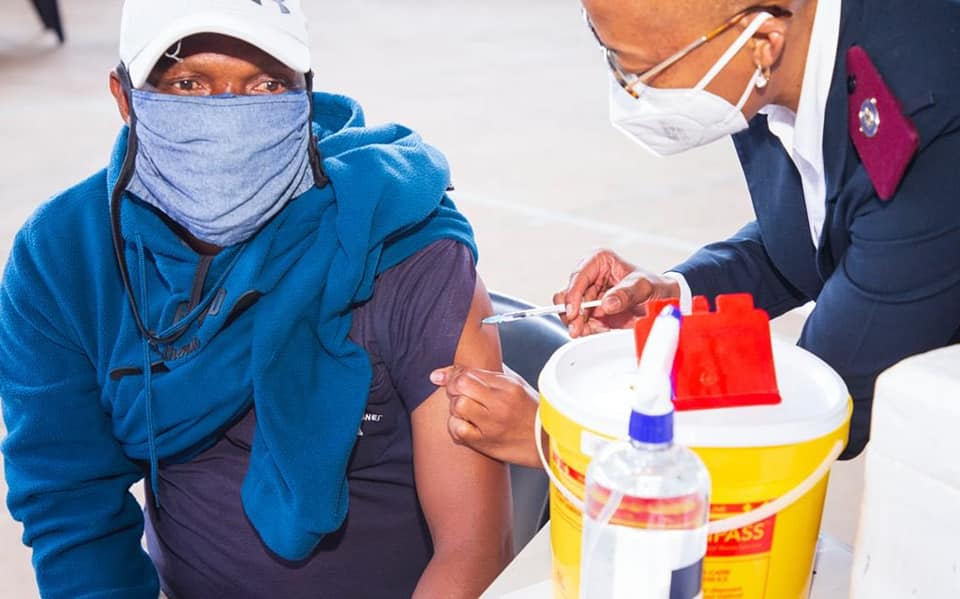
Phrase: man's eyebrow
(287,76)
(280,73)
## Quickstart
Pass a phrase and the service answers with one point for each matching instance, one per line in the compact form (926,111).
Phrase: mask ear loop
(754,83)
(116,198)
(732,51)
(320,178)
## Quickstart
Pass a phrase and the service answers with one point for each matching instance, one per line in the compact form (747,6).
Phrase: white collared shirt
(802,133)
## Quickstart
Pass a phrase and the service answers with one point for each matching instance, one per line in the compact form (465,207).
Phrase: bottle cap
(653,430)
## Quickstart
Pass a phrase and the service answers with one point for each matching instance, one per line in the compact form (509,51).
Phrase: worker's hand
(491,412)
(624,289)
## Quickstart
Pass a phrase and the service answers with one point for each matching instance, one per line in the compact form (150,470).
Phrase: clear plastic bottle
(647,503)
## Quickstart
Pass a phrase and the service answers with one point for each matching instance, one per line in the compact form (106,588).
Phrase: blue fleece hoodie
(84,415)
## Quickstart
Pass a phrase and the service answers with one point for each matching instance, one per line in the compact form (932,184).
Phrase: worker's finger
(440,376)
(445,377)
(586,275)
(462,432)
(634,290)
(468,382)
(467,409)
(594,327)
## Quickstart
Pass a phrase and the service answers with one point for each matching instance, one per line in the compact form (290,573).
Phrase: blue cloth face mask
(221,166)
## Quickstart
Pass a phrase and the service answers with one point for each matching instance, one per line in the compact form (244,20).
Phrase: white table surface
(528,576)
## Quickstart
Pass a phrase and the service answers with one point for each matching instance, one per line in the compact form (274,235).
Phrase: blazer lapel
(777,194)
(839,156)
(837,147)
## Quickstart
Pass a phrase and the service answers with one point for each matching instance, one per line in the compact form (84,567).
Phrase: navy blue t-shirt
(202,543)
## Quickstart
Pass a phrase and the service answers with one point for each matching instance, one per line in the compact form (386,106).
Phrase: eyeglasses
(629,81)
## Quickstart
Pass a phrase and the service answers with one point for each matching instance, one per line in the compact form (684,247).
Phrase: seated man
(244,307)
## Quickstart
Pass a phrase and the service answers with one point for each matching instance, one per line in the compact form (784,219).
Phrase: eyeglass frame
(628,81)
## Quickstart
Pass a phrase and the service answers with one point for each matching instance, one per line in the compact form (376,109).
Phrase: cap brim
(277,43)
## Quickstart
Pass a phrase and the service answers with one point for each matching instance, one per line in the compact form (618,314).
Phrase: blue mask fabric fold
(221,166)
(288,353)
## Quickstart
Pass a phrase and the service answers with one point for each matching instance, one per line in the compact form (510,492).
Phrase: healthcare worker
(845,115)
(244,308)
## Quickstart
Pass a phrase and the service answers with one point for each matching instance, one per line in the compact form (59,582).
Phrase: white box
(908,543)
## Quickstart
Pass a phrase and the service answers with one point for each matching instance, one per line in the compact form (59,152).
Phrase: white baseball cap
(149,28)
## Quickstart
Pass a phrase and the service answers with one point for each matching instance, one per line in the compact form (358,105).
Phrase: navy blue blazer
(886,276)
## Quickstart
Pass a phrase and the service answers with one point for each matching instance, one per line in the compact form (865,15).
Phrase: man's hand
(624,289)
(491,412)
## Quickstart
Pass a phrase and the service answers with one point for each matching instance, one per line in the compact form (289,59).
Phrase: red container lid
(724,359)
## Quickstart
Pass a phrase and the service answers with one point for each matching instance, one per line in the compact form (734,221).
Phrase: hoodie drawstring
(148,382)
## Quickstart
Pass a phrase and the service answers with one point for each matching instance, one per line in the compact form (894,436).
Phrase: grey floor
(513,92)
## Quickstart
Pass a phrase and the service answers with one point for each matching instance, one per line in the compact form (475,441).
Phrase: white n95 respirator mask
(670,121)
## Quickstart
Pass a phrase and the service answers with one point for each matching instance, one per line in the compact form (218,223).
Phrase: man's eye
(271,86)
(186,85)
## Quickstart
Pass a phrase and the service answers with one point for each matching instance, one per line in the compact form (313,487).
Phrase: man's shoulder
(56,257)
(441,274)
(69,212)
(440,263)
(64,228)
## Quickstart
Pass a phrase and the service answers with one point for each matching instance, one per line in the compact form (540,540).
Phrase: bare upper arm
(465,495)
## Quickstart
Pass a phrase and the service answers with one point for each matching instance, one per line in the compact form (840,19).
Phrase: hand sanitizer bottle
(647,499)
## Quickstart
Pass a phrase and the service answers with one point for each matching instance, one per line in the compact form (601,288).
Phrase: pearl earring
(763,77)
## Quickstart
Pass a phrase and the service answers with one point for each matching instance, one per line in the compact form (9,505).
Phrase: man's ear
(123,102)
(769,42)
